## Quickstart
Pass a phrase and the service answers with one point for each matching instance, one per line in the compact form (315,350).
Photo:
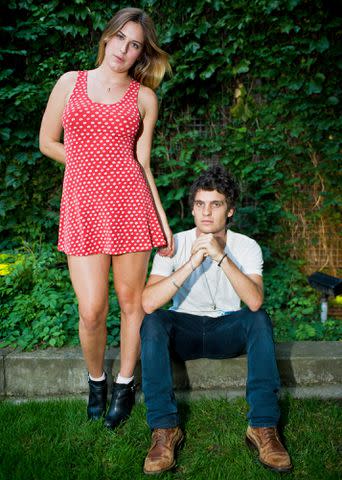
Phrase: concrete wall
(306,368)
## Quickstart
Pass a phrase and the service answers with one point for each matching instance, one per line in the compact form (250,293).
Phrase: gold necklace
(103,85)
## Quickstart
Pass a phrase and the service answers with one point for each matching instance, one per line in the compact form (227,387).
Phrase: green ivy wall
(256,85)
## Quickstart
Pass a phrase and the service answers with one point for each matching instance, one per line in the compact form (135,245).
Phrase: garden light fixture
(328,286)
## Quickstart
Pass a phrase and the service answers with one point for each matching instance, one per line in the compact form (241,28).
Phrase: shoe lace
(159,435)
(269,435)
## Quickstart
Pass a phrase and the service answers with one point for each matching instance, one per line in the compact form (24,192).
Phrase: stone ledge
(304,367)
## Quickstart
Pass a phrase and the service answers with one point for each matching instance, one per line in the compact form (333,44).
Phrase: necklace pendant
(108,89)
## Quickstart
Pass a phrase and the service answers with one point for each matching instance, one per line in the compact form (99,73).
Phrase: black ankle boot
(97,399)
(123,399)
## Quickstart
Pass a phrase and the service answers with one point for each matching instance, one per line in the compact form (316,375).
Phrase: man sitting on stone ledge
(213,269)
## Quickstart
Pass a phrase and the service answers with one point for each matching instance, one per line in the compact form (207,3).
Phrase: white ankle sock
(98,379)
(125,380)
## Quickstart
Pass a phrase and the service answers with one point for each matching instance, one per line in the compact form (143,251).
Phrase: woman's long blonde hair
(152,64)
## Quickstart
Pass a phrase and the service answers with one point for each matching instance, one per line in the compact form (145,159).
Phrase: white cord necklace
(206,284)
(212,297)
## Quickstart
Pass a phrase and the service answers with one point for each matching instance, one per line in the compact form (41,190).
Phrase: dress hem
(97,252)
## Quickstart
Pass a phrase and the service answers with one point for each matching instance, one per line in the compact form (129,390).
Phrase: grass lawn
(53,440)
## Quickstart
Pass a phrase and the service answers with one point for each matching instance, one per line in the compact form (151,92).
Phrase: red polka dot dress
(106,206)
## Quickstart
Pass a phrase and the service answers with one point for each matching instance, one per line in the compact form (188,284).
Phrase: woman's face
(125,47)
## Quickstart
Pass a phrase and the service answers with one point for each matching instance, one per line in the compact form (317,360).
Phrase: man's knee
(259,320)
(154,326)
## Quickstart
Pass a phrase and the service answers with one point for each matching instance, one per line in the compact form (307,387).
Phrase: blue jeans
(165,332)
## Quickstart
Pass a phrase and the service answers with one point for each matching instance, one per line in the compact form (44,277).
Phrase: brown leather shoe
(272,453)
(161,455)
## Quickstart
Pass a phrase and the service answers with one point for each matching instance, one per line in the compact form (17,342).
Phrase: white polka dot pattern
(106,206)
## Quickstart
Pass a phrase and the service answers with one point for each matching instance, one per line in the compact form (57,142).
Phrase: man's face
(211,211)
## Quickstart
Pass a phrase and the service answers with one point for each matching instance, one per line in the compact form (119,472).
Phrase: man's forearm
(249,291)
(158,294)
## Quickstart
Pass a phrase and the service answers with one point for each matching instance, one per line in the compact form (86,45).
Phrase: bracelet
(219,263)
(175,284)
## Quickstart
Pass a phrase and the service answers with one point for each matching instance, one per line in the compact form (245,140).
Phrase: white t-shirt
(207,291)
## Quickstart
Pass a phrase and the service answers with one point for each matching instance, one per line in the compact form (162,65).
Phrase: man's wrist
(221,259)
(176,284)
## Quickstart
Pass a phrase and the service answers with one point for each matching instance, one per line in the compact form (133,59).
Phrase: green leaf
(333,100)
(202,28)
(193,47)
(322,44)
(242,67)
(208,72)
(316,85)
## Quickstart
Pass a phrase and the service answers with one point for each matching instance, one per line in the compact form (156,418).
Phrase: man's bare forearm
(158,294)
(250,292)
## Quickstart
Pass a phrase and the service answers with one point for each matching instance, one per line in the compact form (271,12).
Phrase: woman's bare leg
(89,277)
(130,272)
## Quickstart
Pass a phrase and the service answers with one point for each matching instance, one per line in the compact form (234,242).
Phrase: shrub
(39,307)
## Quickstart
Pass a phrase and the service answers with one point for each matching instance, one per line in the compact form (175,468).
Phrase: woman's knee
(93,317)
(130,300)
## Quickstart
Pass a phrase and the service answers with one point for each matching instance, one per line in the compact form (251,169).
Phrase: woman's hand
(167,251)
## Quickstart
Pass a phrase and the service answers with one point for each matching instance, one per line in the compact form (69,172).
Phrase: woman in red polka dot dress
(111,214)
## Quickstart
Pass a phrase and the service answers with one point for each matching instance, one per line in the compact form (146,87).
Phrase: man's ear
(192,212)
(230,212)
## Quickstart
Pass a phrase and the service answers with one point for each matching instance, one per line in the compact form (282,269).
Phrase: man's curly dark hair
(216,178)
